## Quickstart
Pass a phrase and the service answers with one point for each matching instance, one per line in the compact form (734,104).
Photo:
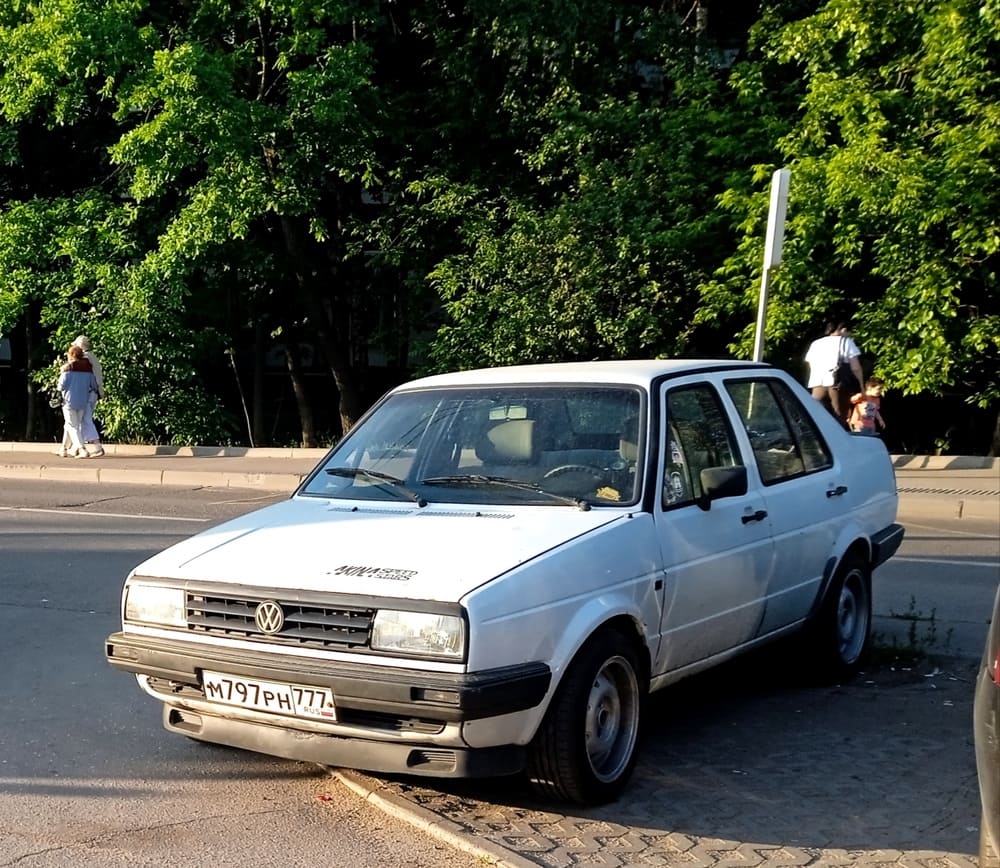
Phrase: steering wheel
(594,472)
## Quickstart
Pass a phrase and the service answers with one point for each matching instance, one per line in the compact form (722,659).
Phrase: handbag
(843,375)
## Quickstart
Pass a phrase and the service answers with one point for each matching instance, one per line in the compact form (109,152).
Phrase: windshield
(551,445)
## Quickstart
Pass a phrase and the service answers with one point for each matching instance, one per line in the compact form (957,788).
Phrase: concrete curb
(945,462)
(88,472)
(431,823)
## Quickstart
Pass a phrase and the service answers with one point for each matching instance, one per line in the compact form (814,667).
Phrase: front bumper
(442,761)
(438,696)
(388,719)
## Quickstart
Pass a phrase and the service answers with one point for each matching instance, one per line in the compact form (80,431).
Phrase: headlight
(154,604)
(420,633)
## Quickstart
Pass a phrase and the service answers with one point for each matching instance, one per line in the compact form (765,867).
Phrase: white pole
(772,252)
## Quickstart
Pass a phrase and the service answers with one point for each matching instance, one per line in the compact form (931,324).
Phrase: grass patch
(922,638)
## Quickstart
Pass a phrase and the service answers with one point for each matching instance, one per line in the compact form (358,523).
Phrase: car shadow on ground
(759,753)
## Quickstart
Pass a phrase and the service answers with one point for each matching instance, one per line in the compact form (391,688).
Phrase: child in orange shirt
(866,412)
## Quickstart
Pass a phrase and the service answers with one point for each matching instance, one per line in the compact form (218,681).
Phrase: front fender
(545,610)
(520,727)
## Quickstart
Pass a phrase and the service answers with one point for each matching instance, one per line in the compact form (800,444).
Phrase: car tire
(586,747)
(841,634)
(988,856)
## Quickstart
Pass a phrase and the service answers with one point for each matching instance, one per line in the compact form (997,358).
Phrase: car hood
(438,552)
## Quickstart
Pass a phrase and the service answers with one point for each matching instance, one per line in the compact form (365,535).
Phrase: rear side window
(786,442)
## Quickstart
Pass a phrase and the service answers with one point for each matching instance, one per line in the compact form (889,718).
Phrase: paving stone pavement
(740,769)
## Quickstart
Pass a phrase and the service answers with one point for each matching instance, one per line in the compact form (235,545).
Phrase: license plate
(296,700)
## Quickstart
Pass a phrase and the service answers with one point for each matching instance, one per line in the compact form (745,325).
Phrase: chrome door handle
(836,492)
(759,515)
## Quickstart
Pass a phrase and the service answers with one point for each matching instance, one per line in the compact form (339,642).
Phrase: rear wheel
(585,750)
(841,634)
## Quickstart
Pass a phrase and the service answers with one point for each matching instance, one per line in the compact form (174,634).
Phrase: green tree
(582,212)
(894,195)
(221,128)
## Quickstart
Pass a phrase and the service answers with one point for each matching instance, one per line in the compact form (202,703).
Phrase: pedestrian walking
(89,427)
(827,357)
(866,415)
(76,383)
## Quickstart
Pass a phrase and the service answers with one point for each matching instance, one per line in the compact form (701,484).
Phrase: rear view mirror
(719,482)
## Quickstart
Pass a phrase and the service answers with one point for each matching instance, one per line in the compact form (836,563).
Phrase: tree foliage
(195,185)
(892,214)
(218,127)
(585,217)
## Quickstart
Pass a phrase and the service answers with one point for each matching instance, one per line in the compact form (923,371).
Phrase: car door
(717,557)
(803,491)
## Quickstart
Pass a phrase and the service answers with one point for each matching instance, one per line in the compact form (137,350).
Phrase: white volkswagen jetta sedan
(494,568)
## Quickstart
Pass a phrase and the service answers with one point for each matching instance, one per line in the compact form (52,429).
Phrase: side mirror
(719,482)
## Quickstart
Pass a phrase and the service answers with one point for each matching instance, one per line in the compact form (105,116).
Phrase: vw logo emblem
(269,618)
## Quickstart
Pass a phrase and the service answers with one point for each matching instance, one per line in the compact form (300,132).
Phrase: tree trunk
(257,411)
(294,364)
(31,426)
(331,323)
(324,319)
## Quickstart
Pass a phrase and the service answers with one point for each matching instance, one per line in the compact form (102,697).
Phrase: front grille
(307,625)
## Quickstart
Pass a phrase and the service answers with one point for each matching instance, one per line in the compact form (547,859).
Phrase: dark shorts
(836,402)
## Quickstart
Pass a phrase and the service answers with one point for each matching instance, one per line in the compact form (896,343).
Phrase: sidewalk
(210,466)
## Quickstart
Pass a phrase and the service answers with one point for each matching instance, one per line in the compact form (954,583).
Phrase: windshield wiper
(480,479)
(376,476)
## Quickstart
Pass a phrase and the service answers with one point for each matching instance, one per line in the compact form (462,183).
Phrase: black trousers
(835,400)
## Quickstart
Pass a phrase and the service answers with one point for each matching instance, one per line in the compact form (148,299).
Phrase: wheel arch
(861,547)
(629,627)
(623,623)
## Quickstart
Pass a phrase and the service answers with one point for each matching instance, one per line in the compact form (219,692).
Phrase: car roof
(640,372)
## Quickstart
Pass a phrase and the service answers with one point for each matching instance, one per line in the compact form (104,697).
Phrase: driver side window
(698,436)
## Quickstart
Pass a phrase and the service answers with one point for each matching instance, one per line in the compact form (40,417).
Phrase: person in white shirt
(823,357)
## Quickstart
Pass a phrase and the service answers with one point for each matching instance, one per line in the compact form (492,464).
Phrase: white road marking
(940,530)
(948,563)
(85,513)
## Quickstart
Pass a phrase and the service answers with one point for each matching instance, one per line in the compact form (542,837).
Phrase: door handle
(759,515)
(836,492)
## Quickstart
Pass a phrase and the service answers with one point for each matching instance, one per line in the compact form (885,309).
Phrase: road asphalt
(751,764)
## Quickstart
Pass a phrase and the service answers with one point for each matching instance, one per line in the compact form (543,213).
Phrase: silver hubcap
(852,616)
(612,721)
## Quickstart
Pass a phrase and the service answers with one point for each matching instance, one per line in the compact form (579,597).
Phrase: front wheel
(841,634)
(586,748)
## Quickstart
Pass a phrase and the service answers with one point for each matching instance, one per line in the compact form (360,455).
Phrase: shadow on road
(754,756)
